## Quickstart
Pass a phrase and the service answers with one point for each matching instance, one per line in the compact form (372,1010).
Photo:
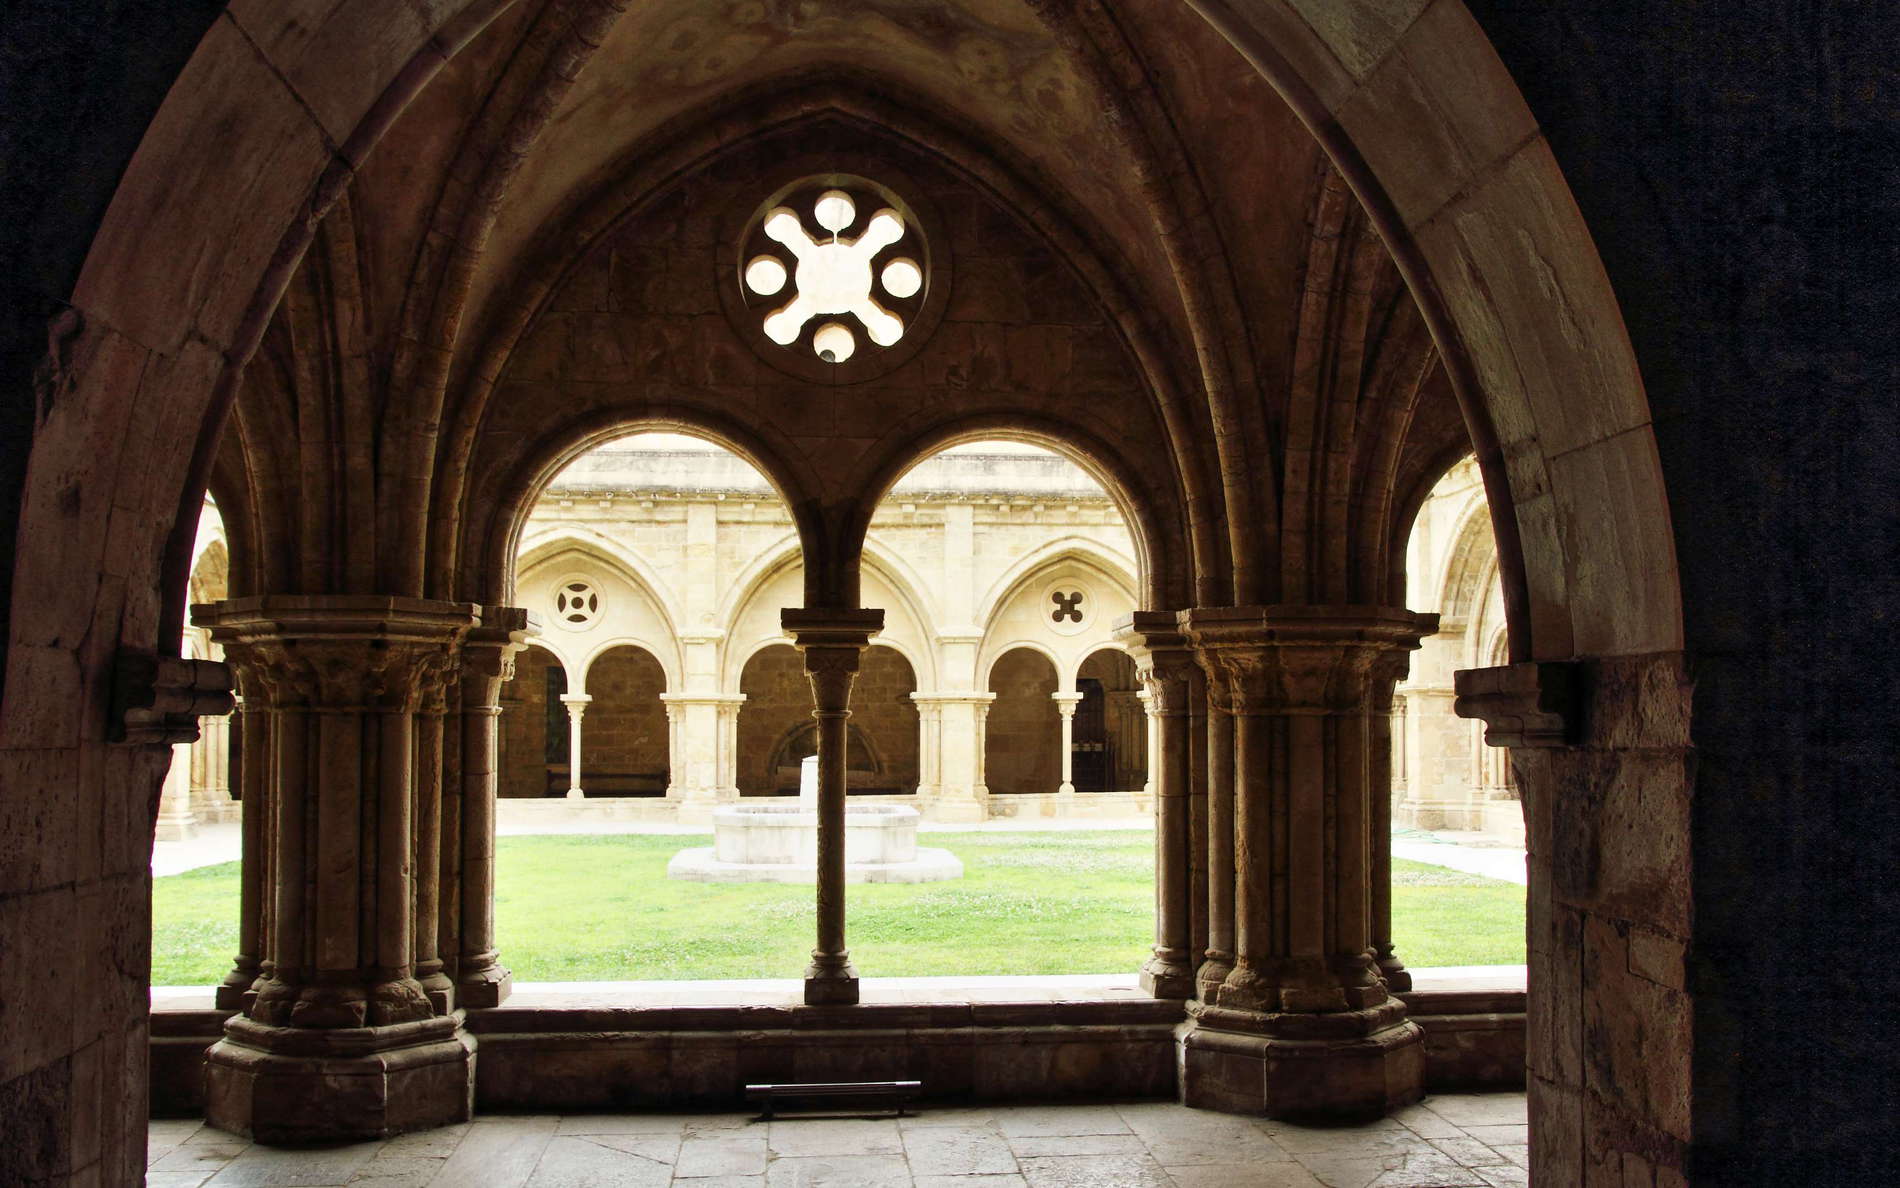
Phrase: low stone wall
(600,1056)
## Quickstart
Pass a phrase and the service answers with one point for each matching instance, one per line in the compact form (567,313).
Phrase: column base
(831,984)
(1347,1066)
(953,810)
(1398,979)
(231,993)
(1167,978)
(488,986)
(297,1086)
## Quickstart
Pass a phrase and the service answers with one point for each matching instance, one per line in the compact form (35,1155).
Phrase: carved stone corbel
(1536,704)
(159,699)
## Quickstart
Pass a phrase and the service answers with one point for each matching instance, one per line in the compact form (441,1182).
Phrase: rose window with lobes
(833,271)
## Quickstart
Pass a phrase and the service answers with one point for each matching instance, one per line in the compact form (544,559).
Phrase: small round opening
(833,343)
(834,210)
(902,277)
(765,275)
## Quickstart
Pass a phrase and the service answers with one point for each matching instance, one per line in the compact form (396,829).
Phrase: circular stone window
(1068,607)
(833,279)
(576,604)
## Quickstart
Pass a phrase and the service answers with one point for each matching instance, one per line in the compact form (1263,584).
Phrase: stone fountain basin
(778,843)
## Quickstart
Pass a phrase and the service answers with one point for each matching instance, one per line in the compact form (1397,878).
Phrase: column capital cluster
(340,652)
(832,640)
(1165,662)
(1301,659)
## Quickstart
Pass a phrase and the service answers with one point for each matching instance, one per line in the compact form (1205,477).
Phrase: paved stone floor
(1451,1141)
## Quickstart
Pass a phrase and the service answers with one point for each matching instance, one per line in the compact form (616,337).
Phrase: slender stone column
(699,759)
(833,643)
(1303,1025)
(576,704)
(339,1039)
(952,735)
(431,968)
(254,863)
(981,752)
(1387,671)
(175,820)
(211,772)
(726,771)
(1065,705)
(1164,664)
(1219,957)
(488,663)
(1197,793)
(929,748)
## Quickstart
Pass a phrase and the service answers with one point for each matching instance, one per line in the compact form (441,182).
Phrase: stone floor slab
(398,1171)
(839,1171)
(279,1167)
(958,1151)
(733,1155)
(499,1152)
(835,1136)
(1095,1171)
(596,1161)
(1242,1175)
(1078,1144)
(1465,1110)
(1061,1121)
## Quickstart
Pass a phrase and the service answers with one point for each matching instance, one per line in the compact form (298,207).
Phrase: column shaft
(833,643)
(1165,666)
(253,856)
(576,709)
(488,662)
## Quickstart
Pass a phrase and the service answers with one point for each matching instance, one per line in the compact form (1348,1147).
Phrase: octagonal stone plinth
(1328,1068)
(301,1086)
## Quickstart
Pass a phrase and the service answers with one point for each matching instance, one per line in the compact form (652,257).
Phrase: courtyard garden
(600,908)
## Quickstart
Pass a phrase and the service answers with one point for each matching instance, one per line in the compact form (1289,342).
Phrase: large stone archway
(1488,235)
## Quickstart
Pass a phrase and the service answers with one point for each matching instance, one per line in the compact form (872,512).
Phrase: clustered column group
(1285,953)
(369,739)
(369,730)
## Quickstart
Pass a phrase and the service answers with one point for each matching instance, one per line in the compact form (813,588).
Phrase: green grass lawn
(600,908)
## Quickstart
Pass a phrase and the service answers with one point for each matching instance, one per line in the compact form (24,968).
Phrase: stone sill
(666,1045)
(903,1002)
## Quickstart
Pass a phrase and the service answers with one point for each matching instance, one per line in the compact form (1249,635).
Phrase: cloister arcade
(1002,569)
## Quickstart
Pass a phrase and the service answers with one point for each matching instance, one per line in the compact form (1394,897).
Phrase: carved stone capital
(833,643)
(1536,704)
(488,654)
(1165,663)
(1302,659)
(339,652)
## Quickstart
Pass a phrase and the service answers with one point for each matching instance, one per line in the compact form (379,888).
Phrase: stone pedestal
(294,1087)
(1303,1024)
(341,1038)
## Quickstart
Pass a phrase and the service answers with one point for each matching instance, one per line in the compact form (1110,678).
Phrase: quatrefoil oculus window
(576,603)
(1068,606)
(834,268)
